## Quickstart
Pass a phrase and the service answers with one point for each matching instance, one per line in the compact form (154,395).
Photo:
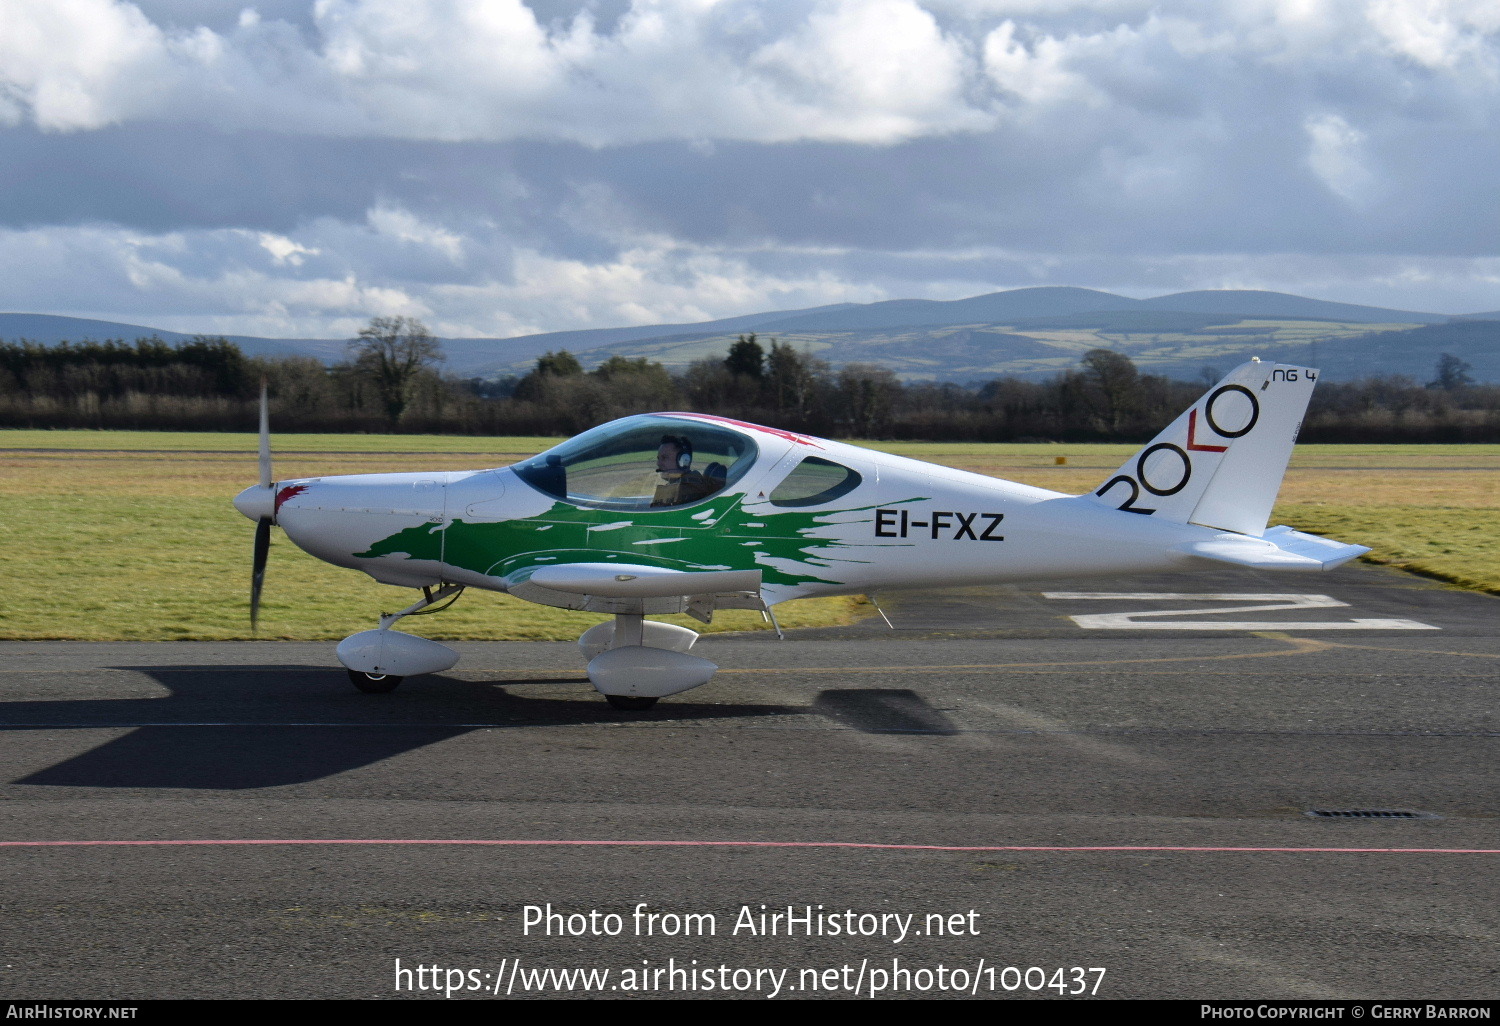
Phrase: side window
(813,482)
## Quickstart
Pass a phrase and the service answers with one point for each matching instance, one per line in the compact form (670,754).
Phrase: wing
(632,588)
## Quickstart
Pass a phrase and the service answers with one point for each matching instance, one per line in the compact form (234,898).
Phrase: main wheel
(374,683)
(630,703)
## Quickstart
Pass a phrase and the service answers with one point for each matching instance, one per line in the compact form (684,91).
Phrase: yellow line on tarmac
(1299,646)
(1415,651)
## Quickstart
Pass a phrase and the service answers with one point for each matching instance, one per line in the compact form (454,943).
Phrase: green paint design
(563,535)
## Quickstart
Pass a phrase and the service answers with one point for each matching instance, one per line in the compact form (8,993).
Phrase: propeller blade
(265,437)
(258,568)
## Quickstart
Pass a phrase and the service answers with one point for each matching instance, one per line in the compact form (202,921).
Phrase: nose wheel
(375,683)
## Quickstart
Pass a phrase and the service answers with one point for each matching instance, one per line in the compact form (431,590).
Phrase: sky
(497,168)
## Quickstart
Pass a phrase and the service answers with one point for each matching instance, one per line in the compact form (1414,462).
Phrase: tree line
(390,380)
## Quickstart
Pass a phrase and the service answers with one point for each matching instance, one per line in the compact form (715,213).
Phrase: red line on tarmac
(761,844)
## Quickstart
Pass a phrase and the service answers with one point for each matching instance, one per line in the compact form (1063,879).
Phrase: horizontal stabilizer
(625,580)
(1280,548)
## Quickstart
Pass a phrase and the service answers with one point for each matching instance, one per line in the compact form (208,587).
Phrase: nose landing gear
(380,659)
(631,703)
(374,683)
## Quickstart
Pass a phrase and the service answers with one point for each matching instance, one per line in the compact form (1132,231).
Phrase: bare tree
(391,352)
(868,394)
(793,379)
(1117,381)
(1452,373)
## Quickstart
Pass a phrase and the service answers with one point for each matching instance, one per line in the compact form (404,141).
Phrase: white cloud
(216,279)
(403,225)
(653,284)
(1037,73)
(881,66)
(685,158)
(78,64)
(1336,155)
(284,249)
(229,281)
(860,71)
(235,282)
(868,71)
(1438,34)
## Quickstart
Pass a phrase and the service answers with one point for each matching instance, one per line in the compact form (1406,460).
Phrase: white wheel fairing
(642,672)
(600,638)
(392,653)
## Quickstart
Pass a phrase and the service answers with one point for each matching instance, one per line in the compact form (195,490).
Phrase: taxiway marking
(1263,602)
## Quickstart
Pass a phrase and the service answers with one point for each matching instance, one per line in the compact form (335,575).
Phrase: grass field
(114,535)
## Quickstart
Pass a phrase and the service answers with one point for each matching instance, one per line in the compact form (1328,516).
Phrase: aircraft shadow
(883,711)
(233,758)
(255,727)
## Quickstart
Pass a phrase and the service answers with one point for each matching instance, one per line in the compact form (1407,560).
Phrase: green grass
(169,568)
(1456,545)
(116,546)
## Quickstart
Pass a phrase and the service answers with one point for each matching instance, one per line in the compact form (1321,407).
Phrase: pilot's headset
(684,449)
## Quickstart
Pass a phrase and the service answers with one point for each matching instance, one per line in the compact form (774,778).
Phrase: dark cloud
(734,161)
(159,177)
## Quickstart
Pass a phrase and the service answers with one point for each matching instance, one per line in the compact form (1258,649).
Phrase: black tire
(374,683)
(630,703)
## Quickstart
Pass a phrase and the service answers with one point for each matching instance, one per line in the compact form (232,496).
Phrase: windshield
(642,463)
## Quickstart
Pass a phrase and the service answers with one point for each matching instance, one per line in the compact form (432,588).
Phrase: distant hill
(1031,332)
(1280,306)
(995,308)
(1022,305)
(49,329)
(1415,352)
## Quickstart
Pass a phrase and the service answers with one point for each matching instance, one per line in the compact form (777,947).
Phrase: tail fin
(1220,464)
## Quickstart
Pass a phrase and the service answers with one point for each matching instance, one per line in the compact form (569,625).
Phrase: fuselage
(813,516)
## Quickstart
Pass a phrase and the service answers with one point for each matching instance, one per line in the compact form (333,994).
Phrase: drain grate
(1370,814)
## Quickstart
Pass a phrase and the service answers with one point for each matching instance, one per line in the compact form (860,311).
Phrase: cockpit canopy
(615,465)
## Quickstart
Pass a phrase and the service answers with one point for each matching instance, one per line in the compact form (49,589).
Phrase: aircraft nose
(257,502)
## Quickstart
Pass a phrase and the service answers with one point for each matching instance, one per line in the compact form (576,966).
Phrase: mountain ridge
(1028,332)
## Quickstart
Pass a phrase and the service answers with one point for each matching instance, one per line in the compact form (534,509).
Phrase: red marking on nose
(286,493)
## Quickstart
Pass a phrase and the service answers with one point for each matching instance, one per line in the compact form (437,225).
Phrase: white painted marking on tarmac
(1264,602)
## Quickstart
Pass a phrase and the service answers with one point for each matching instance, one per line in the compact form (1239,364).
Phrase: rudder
(1220,464)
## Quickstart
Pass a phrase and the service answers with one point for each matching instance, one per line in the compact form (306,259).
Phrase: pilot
(680,483)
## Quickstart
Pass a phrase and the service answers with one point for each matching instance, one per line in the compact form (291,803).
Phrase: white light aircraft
(689,513)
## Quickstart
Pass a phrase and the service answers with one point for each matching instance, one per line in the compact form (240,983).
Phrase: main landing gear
(633,662)
(374,683)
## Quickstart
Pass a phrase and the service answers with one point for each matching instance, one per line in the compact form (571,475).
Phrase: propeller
(262,526)
(259,504)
